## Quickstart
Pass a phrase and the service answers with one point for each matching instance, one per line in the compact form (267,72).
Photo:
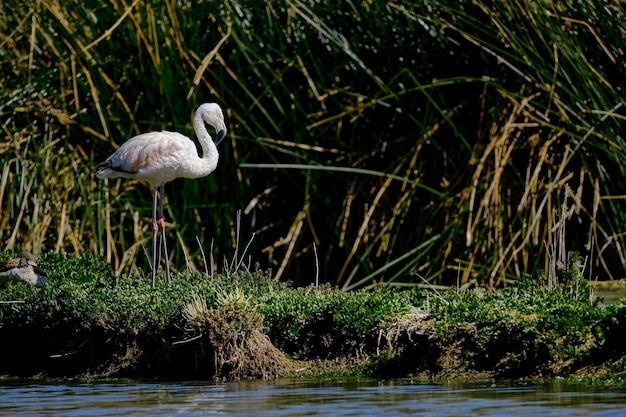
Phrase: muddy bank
(91,324)
(409,347)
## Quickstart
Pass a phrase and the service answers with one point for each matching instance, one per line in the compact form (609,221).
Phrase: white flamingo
(160,157)
(22,269)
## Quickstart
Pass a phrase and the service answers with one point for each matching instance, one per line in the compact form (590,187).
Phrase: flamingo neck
(210,155)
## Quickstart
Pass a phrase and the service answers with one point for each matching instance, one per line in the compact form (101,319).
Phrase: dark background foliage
(368,141)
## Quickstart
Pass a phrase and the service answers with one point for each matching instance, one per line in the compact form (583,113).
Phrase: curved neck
(209,150)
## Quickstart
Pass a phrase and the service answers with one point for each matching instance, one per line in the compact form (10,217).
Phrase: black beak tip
(220,136)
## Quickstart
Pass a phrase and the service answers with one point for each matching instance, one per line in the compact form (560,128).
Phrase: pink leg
(161,222)
(155,229)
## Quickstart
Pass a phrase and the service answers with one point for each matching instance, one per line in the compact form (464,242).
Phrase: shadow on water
(348,397)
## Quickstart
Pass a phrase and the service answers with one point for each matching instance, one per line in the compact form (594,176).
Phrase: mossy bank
(86,322)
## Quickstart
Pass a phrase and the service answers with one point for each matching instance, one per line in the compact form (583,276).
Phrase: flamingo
(22,269)
(160,157)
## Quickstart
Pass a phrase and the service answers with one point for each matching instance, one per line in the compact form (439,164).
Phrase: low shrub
(326,322)
(520,332)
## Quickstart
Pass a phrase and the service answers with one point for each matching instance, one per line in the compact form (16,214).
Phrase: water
(610,292)
(349,397)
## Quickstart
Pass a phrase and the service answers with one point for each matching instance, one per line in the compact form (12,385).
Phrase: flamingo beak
(221,134)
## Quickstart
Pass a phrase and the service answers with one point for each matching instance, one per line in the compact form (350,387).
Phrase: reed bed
(369,142)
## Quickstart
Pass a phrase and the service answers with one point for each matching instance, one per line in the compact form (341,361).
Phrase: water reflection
(350,397)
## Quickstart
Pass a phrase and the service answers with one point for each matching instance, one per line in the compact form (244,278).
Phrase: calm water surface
(308,398)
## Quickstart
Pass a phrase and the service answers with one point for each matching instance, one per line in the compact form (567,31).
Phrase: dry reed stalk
(129,256)
(110,30)
(557,250)
(11,244)
(290,240)
(3,185)
(191,266)
(342,220)
(208,58)
(363,228)
(510,250)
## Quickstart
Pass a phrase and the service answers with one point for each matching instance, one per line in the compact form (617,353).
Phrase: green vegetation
(388,141)
(103,325)
(86,323)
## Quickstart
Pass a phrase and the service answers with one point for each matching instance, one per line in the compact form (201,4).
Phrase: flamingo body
(160,157)
(157,157)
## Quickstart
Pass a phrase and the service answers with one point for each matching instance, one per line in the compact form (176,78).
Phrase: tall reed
(404,140)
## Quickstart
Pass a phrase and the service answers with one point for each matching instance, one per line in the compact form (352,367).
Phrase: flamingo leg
(161,223)
(155,229)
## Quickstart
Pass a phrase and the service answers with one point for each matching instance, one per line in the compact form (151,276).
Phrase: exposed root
(408,345)
(240,350)
(255,357)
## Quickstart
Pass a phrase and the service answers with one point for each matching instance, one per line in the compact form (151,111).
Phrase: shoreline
(90,324)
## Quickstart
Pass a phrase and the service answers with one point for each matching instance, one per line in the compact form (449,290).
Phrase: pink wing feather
(154,157)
